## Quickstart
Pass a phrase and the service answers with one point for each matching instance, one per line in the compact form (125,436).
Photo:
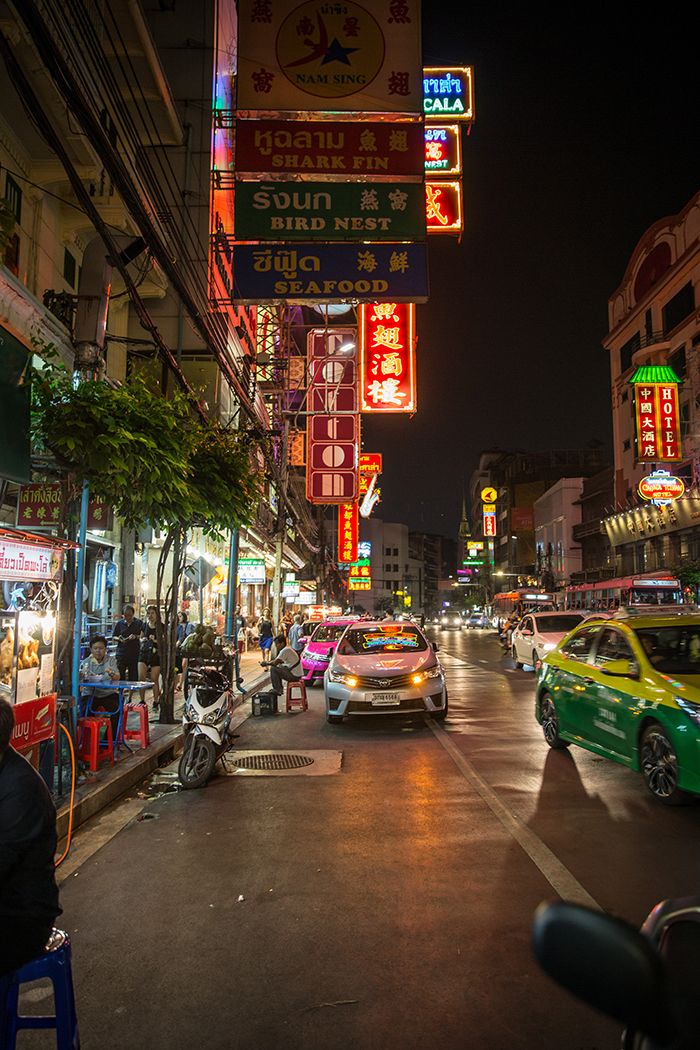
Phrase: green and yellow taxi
(629,689)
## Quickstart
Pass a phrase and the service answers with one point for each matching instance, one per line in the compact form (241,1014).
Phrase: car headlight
(342,676)
(690,707)
(422,676)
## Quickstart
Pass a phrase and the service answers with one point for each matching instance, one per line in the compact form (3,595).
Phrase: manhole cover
(273,761)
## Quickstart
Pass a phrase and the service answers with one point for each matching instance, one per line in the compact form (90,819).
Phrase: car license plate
(384,699)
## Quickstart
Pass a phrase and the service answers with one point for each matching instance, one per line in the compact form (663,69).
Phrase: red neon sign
(334,428)
(387,357)
(658,422)
(347,532)
(443,207)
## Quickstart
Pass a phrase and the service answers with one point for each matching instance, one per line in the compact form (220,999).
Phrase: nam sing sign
(658,422)
(387,357)
(338,211)
(329,148)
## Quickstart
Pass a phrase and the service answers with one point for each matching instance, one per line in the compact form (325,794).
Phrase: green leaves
(150,458)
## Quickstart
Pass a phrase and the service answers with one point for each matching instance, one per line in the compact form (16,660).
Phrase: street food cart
(31,570)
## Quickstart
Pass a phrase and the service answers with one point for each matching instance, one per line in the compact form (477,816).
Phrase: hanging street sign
(321,272)
(448,93)
(661,487)
(370,463)
(328,148)
(658,422)
(387,357)
(330,211)
(348,533)
(333,440)
(318,56)
(443,149)
(443,206)
(489,521)
(489,494)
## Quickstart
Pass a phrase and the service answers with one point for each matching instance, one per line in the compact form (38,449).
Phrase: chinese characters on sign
(443,207)
(387,357)
(42,505)
(658,422)
(489,521)
(347,533)
(443,149)
(317,56)
(360,578)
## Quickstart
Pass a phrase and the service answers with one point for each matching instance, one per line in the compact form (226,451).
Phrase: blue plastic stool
(55,965)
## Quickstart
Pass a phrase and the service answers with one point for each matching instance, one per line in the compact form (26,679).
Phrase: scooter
(206,720)
(646,978)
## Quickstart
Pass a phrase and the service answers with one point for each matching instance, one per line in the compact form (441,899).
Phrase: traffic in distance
(621,680)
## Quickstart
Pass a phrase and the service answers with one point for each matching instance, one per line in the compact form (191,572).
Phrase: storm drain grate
(273,761)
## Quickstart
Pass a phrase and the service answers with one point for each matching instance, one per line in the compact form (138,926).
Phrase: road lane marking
(557,874)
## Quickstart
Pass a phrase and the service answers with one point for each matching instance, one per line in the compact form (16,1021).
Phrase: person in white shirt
(100,667)
(286,667)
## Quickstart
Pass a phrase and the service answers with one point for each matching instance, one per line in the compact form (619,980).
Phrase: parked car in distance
(478,620)
(384,668)
(629,690)
(451,621)
(538,633)
(320,645)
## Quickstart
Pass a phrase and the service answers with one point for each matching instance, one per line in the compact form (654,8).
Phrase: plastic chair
(56,966)
(89,748)
(296,696)
(142,734)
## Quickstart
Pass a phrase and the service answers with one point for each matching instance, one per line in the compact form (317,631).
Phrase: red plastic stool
(142,733)
(296,696)
(89,741)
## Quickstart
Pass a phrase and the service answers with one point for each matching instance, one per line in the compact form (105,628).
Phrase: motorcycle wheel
(197,761)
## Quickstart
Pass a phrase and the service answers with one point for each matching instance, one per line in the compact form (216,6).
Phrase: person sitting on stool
(28,891)
(102,668)
(286,667)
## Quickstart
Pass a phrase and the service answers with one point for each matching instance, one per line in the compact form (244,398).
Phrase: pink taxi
(320,647)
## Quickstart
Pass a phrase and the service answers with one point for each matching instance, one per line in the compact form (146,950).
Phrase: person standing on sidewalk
(295,636)
(265,635)
(28,891)
(127,633)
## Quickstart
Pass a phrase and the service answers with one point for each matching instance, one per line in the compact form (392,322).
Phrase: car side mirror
(606,963)
(621,669)
(436,647)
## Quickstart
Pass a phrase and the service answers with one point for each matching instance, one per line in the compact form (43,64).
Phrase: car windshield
(557,624)
(328,632)
(673,649)
(394,638)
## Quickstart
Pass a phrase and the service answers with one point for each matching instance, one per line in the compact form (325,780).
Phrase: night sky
(583,139)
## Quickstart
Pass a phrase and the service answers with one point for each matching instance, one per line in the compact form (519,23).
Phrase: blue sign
(317,272)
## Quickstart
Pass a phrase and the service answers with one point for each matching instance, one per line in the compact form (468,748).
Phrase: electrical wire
(72,795)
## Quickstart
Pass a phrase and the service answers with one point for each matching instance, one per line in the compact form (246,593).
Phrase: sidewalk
(97,790)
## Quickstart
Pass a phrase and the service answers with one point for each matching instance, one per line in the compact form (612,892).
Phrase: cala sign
(661,487)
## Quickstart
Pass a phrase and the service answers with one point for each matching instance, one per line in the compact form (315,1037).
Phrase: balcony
(584,529)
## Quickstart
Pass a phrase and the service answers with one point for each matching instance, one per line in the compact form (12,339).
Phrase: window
(626,351)
(396,552)
(69,268)
(395,568)
(13,196)
(11,257)
(678,308)
(578,647)
(387,550)
(387,568)
(677,361)
(612,646)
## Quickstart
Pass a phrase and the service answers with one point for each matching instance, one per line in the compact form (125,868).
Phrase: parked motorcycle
(646,979)
(206,720)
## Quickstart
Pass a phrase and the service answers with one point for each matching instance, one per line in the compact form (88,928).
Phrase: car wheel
(334,720)
(550,724)
(659,765)
(441,715)
(514,654)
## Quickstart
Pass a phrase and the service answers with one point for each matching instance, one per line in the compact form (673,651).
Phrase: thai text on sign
(448,93)
(348,530)
(443,149)
(658,422)
(387,357)
(29,561)
(329,148)
(40,505)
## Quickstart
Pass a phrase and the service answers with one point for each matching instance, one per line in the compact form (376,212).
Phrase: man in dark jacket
(28,891)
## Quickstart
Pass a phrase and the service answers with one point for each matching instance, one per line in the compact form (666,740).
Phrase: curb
(135,768)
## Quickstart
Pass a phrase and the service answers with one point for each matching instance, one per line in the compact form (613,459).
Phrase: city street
(385,905)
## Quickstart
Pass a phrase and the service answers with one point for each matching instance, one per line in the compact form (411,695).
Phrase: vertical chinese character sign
(387,357)
(347,533)
(658,421)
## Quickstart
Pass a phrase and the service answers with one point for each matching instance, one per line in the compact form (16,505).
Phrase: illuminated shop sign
(251,570)
(448,93)
(658,422)
(333,438)
(318,56)
(443,207)
(661,487)
(329,211)
(387,357)
(329,147)
(489,522)
(360,578)
(443,149)
(347,533)
(320,272)
(370,462)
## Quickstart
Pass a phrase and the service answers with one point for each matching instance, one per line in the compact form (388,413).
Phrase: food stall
(31,570)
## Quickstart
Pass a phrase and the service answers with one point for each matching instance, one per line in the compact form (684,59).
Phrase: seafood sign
(317,273)
(20,561)
(330,211)
(329,148)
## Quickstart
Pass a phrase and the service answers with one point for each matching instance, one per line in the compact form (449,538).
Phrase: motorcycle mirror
(606,963)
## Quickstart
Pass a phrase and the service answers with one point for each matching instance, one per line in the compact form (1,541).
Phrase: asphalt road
(387,905)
